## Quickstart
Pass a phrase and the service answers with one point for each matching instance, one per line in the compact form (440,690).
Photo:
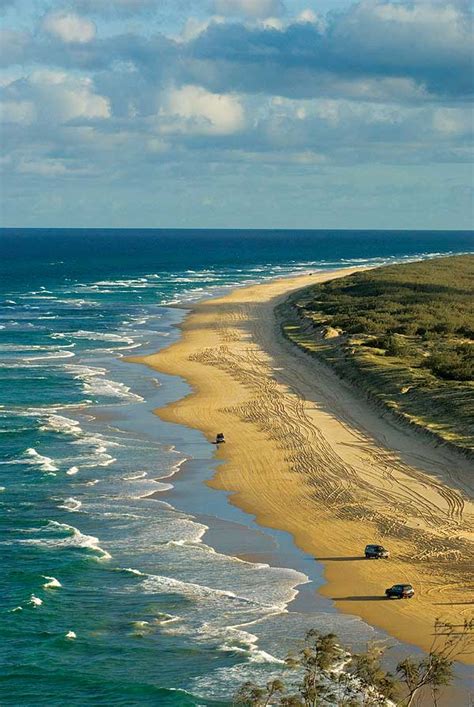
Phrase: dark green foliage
(253,695)
(328,675)
(436,669)
(394,345)
(453,363)
(432,300)
(434,297)
(406,338)
(368,669)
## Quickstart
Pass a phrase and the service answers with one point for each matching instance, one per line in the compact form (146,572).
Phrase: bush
(453,364)
(395,346)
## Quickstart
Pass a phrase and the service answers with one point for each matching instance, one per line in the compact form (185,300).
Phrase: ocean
(125,579)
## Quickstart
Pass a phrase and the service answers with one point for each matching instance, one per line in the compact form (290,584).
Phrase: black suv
(376,552)
(400,591)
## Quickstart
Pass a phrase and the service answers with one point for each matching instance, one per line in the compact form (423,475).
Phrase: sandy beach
(307,455)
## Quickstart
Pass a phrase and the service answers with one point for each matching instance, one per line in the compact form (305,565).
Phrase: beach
(307,455)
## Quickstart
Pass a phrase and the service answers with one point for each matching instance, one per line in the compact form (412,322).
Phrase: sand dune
(305,454)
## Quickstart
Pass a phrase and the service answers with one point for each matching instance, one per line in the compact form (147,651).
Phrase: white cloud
(308,16)
(17,112)
(191,109)
(453,121)
(43,168)
(66,97)
(69,27)
(116,8)
(427,32)
(193,27)
(54,97)
(250,8)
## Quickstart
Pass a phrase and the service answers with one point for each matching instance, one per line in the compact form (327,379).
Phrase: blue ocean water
(111,596)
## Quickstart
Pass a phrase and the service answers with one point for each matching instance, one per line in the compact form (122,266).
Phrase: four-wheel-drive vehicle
(220,438)
(376,552)
(400,591)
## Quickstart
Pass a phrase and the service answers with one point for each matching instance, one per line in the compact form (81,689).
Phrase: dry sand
(307,455)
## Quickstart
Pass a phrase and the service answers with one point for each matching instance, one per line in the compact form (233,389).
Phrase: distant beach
(300,442)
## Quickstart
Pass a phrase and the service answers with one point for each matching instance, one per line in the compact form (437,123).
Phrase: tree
(319,658)
(329,676)
(436,669)
(378,684)
(251,694)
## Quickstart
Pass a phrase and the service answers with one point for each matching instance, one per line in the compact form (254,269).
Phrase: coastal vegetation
(324,673)
(404,334)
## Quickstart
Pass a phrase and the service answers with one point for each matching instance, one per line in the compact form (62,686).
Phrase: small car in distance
(400,591)
(376,552)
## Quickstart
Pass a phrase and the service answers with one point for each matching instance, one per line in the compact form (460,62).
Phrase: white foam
(72,471)
(95,336)
(139,282)
(82,372)
(158,583)
(133,571)
(46,464)
(71,504)
(61,424)
(73,539)
(249,645)
(95,383)
(141,475)
(167,619)
(52,582)
(50,357)
(35,601)
(31,347)
(111,389)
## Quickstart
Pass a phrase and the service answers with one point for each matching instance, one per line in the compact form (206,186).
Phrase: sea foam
(52,582)
(73,539)
(71,504)
(46,464)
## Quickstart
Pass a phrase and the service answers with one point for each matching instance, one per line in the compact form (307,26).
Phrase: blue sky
(237,113)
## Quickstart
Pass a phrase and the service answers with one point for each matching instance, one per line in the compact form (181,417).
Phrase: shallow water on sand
(126,580)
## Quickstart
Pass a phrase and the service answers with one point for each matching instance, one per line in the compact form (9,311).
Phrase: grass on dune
(404,334)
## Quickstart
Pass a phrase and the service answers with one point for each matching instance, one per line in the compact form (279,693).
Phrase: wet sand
(305,454)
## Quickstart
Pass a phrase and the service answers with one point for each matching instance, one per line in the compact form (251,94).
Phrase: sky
(237,114)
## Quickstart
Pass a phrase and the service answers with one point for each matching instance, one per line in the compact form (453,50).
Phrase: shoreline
(296,453)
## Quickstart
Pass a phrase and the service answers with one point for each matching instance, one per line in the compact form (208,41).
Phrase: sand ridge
(305,454)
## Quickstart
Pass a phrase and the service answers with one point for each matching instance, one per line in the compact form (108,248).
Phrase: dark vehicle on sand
(376,552)
(400,591)
(220,438)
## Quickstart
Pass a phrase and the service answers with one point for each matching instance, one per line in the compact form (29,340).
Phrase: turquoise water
(110,596)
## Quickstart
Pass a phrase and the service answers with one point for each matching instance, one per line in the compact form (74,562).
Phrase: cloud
(17,112)
(15,46)
(455,122)
(193,110)
(69,27)
(54,97)
(243,94)
(115,7)
(158,9)
(250,8)
(428,43)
